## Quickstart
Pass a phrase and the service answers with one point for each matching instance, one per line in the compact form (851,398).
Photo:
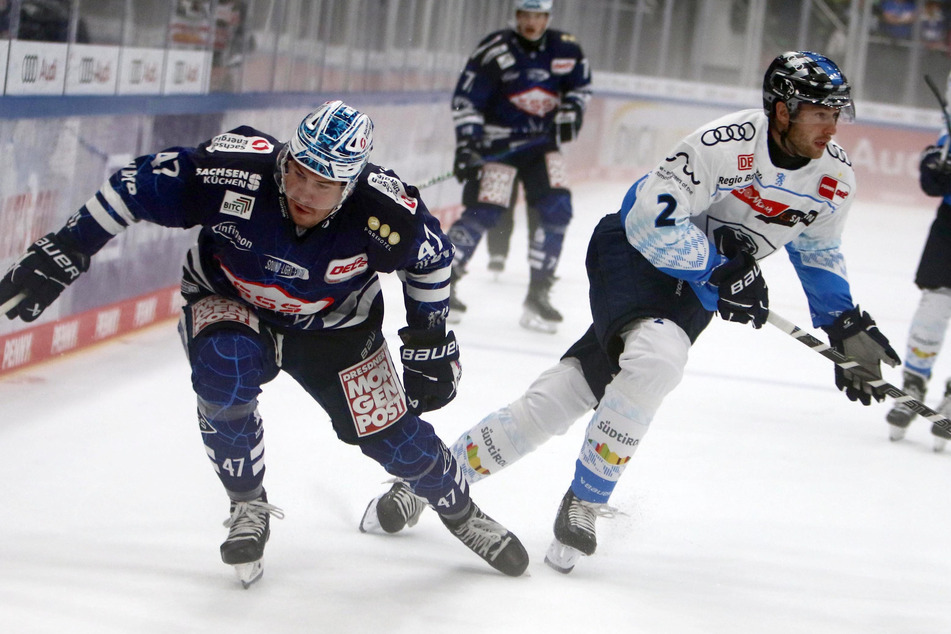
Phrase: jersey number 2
(670,204)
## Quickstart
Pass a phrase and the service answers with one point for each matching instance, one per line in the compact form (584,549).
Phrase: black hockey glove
(431,368)
(744,296)
(468,162)
(568,122)
(854,334)
(41,274)
(935,174)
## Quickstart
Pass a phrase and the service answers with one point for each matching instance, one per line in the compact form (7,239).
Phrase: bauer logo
(235,204)
(373,393)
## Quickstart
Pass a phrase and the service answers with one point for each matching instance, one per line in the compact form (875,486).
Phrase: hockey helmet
(799,77)
(333,141)
(535,6)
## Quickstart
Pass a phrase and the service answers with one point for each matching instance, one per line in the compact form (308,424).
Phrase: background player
(522,93)
(284,277)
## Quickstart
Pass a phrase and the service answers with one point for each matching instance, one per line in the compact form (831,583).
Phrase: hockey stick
(845,362)
(539,140)
(11,303)
(944,112)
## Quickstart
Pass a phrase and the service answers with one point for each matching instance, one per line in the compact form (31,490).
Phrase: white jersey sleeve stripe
(116,202)
(100,215)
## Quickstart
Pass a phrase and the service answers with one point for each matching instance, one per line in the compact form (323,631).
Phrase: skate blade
(248,573)
(561,557)
(370,523)
(896,433)
(531,321)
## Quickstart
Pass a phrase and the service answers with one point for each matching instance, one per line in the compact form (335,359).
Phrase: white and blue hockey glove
(431,368)
(41,274)
(743,295)
(855,335)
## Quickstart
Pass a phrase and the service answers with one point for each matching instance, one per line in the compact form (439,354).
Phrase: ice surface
(762,500)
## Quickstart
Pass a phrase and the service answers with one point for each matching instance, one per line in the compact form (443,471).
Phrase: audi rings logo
(838,153)
(31,69)
(742,132)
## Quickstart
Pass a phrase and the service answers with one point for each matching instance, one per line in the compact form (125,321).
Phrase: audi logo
(838,153)
(31,69)
(742,132)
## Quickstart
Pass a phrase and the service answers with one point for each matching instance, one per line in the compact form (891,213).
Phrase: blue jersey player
(284,276)
(521,95)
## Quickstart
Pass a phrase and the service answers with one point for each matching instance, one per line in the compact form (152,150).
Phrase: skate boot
(574,532)
(539,315)
(901,415)
(496,265)
(249,529)
(490,540)
(942,434)
(456,308)
(393,511)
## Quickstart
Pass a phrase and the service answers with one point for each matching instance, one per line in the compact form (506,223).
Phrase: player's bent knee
(554,210)
(652,361)
(409,449)
(553,402)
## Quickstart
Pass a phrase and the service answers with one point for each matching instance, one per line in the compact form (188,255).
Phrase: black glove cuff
(742,261)
(849,323)
(416,337)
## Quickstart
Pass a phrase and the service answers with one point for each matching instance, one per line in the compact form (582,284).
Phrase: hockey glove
(854,334)
(935,174)
(431,368)
(567,122)
(41,274)
(744,296)
(467,164)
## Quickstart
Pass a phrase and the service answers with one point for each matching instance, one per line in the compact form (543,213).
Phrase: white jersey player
(684,245)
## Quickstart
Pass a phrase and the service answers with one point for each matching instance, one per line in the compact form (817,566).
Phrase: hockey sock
(927,332)
(234,442)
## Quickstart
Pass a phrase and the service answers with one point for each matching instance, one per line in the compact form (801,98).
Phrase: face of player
(809,132)
(310,196)
(530,24)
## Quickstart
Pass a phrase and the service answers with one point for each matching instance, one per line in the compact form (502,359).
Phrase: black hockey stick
(11,303)
(944,111)
(845,362)
(539,140)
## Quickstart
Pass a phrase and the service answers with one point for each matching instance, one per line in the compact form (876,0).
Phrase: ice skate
(490,540)
(941,436)
(249,529)
(496,265)
(538,313)
(574,532)
(393,511)
(901,415)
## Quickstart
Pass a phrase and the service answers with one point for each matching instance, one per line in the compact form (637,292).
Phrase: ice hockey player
(930,322)
(284,276)
(735,190)
(521,95)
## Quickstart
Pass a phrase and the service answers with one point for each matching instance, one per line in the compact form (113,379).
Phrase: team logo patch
(393,187)
(235,204)
(373,393)
(346,268)
(744,162)
(562,65)
(833,189)
(240,143)
(536,101)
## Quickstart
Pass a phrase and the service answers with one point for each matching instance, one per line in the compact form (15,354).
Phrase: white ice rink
(762,500)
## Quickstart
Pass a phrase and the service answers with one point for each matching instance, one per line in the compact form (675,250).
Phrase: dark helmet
(799,77)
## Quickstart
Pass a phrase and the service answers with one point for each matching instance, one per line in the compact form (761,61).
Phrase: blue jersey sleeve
(822,275)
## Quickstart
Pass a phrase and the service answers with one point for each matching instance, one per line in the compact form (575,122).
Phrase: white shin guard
(652,363)
(927,332)
(552,403)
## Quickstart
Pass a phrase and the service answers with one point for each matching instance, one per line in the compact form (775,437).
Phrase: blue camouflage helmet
(333,141)
(797,77)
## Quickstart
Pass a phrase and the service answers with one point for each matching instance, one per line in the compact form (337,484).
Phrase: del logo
(373,393)
(340,270)
(235,204)
(833,189)
(562,65)
(751,196)
(744,162)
